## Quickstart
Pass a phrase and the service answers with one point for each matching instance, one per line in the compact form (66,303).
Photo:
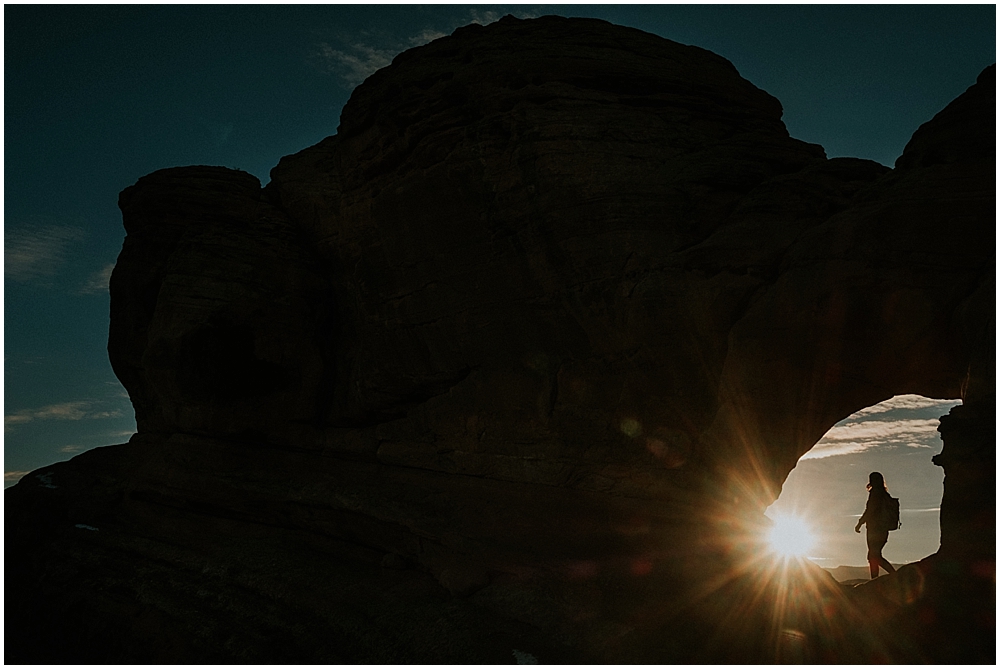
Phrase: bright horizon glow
(790,536)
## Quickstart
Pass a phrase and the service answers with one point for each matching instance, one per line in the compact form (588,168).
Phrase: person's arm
(864,516)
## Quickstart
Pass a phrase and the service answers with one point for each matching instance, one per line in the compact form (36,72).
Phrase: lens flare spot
(630,427)
(790,536)
(582,570)
(642,567)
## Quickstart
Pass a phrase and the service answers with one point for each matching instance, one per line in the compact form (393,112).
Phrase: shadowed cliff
(514,362)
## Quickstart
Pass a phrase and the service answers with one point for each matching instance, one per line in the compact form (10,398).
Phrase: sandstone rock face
(512,364)
(220,308)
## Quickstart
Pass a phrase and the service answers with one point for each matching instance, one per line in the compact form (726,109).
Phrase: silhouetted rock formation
(514,362)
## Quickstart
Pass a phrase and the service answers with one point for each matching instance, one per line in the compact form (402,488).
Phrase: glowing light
(631,427)
(790,536)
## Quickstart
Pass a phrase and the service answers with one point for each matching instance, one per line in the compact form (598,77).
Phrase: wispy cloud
(907,402)
(354,62)
(900,421)
(64,411)
(67,411)
(71,448)
(33,254)
(105,414)
(487,16)
(484,17)
(425,36)
(883,430)
(827,450)
(355,59)
(98,281)
(13,477)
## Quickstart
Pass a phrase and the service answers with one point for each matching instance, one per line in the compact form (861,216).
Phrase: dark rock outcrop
(514,362)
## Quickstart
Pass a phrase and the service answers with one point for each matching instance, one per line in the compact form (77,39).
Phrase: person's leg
(878,546)
(875,559)
(885,564)
(872,560)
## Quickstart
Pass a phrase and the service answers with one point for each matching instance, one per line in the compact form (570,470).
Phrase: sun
(790,536)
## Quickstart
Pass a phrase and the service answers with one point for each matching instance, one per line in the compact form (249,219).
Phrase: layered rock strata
(514,362)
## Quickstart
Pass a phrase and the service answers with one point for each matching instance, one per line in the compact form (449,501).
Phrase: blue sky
(97,96)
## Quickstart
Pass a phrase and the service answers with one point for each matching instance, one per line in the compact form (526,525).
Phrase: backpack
(889,514)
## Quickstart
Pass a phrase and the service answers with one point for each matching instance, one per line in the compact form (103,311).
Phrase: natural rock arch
(555,294)
(826,490)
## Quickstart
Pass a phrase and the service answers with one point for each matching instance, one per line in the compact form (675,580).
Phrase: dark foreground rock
(509,368)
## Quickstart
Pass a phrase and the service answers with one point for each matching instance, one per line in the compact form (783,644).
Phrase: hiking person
(876,532)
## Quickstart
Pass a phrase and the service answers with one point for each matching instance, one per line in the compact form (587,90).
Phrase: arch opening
(826,488)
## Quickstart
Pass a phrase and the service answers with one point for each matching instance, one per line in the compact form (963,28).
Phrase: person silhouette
(875,533)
